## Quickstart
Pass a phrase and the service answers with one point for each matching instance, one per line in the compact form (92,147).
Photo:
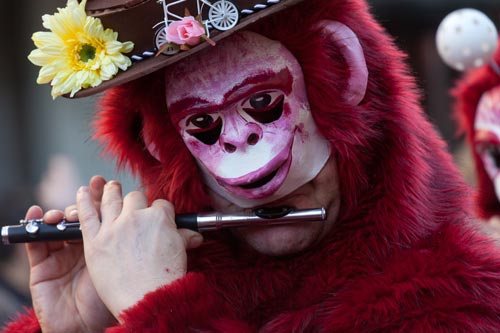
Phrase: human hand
(64,297)
(494,226)
(131,249)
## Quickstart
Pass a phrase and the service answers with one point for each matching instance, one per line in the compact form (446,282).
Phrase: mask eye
(201,120)
(204,128)
(260,101)
(265,107)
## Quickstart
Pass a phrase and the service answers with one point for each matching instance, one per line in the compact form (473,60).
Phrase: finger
(87,212)
(45,248)
(495,221)
(71,213)
(36,251)
(134,200)
(192,239)
(74,242)
(53,216)
(112,201)
(167,208)
(96,185)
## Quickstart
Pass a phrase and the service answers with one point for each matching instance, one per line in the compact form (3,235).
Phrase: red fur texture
(24,323)
(467,93)
(404,254)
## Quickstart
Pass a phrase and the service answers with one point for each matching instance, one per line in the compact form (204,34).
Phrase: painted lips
(262,182)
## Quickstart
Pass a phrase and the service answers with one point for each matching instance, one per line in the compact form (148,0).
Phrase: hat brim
(147,66)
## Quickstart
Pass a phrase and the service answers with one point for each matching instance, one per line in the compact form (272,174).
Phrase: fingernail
(52,211)
(73,213)
(195,241)
(83,189)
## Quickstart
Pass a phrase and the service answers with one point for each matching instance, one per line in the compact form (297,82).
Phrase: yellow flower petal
(94,28)
(113,47)
(47,74)
(121,61)
(94,79)
(58,84)
(57,26)
(39,58)
(52,50)
(68,84)
(108,71)
(109,34)
(44,38)
(127,47)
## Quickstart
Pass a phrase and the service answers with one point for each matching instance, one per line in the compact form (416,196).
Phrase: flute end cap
(5,235)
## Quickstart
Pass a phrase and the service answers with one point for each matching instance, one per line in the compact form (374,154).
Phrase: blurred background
(47,151)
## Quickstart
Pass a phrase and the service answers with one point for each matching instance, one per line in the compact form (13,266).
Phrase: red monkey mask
(476,108)
(467,40)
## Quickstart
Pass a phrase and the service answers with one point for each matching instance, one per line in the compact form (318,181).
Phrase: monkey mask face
(487,135)
(242,111)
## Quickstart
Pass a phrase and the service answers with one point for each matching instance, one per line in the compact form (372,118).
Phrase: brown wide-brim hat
(143,23)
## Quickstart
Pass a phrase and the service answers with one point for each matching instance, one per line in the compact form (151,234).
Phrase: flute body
(36,230)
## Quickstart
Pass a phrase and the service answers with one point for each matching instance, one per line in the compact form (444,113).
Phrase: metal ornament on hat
(467,39)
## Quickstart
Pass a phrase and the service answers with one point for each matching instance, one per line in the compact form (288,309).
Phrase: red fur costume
(467,93)
(404,254)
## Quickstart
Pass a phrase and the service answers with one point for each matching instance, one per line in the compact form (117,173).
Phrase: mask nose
(238,134)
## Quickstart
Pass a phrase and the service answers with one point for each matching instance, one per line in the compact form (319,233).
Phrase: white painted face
(487,135)
(241,108)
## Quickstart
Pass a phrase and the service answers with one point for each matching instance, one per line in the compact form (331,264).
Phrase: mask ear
(350,48)
(151,147)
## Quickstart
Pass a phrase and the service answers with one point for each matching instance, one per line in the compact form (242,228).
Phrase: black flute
(36,230)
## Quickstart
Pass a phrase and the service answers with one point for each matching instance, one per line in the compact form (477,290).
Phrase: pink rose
(186,31)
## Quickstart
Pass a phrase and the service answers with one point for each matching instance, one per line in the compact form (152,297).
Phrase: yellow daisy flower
(77,52)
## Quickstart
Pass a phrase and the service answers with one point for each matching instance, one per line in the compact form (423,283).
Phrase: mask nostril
(229,148)
(253,139)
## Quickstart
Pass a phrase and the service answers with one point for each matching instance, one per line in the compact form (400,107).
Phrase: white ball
(466,39)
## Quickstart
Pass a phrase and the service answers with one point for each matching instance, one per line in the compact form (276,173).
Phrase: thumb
(192,239)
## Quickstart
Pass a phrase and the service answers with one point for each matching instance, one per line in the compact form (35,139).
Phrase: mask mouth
(261,182)
(263,186)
